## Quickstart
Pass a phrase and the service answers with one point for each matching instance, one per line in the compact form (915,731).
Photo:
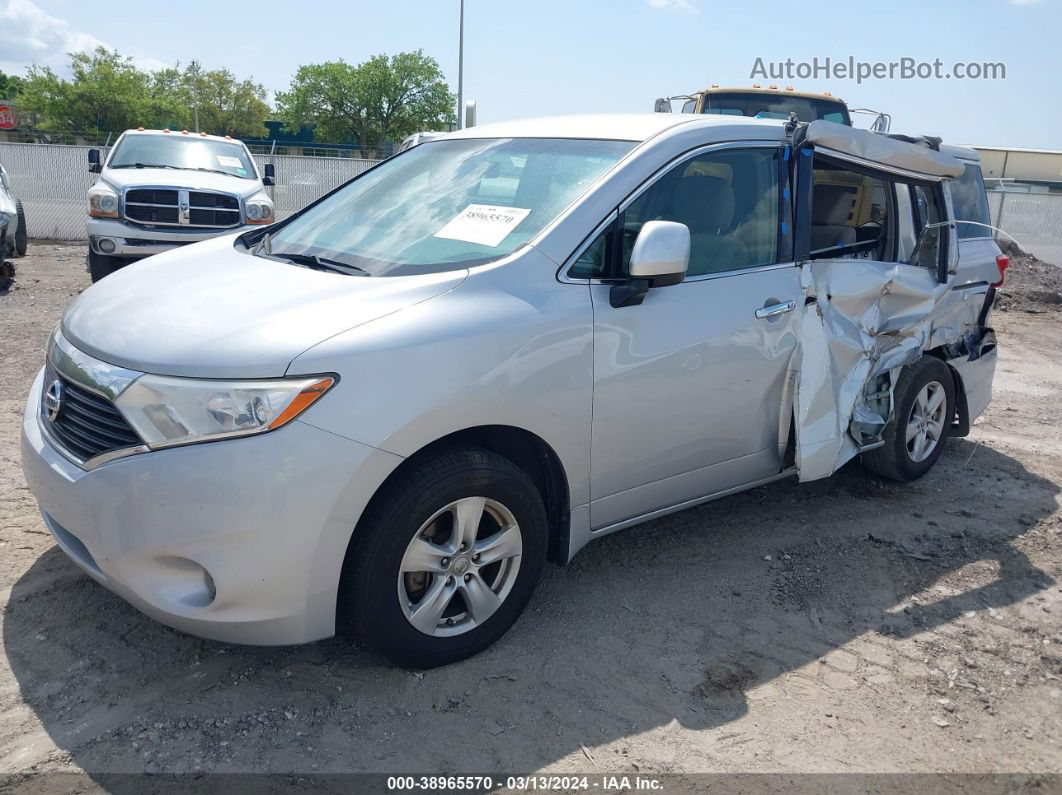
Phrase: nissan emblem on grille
(53,399)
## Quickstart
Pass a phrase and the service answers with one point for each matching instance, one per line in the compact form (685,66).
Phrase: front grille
(88,424)
(163,207)
(213,209)
(151,196)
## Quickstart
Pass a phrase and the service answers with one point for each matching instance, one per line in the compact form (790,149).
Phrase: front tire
(915,437)
(444,560)
(22,235)
(101,266)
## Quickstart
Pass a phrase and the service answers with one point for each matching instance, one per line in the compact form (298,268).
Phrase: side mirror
(662,105)
(270,177)
(659,258)
(94,161)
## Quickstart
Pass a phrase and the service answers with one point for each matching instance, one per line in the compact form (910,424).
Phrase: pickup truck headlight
(167,411)
(103,202)
(259,211)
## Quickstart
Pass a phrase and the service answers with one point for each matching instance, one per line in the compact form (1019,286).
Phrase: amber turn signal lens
(306,398)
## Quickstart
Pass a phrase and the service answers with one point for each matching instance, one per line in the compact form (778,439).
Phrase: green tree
(10,86)
(168,103)
(382,99)
(226,105)
(107,92)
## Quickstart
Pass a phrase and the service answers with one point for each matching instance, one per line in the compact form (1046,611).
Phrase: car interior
(850,214)
(729,201)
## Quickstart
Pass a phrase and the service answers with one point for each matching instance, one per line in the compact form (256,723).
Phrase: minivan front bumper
(240,540)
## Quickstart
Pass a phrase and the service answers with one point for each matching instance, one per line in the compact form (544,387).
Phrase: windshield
(177,150)
(772,106)
(445,205)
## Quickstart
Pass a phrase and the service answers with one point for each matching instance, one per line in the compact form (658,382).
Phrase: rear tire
(921,423)
(406,555)
(22,235)
(100,265)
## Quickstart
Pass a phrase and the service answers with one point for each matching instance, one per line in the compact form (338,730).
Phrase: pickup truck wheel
(22,235)
(445,559)
(915,437)
(101,265)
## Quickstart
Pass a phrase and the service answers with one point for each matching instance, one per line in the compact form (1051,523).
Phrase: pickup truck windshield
(772,106)
(445,205)
(177,150)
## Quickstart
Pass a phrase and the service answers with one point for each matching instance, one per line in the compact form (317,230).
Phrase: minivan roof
(604,126)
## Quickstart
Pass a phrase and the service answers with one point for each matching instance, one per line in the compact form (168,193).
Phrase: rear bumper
(240,541)
(131,241)
(976,375)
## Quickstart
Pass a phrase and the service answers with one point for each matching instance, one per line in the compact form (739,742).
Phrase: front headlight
(166,411)
(103,202)
(259,211)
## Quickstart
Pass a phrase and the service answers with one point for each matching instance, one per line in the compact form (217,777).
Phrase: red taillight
(1002,261)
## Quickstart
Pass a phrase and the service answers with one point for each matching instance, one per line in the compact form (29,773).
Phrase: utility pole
(195,91)
(461,69)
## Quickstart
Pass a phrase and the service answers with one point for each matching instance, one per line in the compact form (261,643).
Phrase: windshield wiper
(323,264)
(177,168)
(147,165)
(264,248)
(212,171)
(318,263)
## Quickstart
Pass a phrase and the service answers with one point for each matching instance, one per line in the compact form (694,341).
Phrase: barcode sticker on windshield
(231,162)
(483,224)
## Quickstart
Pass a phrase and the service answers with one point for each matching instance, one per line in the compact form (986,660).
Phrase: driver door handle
(774,310)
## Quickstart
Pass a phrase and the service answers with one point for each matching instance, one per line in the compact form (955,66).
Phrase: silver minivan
(387,412)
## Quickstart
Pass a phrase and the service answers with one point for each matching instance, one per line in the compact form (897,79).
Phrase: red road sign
(8,118)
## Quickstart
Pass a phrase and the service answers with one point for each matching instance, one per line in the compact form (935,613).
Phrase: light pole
(461,69)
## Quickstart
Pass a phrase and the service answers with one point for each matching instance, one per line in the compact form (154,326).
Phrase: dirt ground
(846,625)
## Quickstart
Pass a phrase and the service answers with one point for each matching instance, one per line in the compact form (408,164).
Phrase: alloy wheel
(459,566)
(925,426)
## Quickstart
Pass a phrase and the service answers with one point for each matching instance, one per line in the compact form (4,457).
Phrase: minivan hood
(209,310)
(122,178)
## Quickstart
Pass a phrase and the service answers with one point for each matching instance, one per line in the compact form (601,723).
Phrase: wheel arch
(960,423)
(529,452)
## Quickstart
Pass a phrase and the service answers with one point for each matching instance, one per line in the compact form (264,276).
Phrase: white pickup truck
(160,189)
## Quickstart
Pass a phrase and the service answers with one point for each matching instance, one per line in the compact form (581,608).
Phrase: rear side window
(970,204)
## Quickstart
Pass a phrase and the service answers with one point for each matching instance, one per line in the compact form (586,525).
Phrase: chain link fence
(1032,219)
(52,182)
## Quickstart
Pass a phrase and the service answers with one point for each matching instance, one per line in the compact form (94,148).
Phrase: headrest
(703,202)
(831,205)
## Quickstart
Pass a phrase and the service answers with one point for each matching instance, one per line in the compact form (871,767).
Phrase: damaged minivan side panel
(871,307)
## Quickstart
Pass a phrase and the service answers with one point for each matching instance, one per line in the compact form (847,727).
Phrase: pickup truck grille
(87,424)
(191,208)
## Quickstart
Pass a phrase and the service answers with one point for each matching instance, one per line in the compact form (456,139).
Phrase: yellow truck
(771,102)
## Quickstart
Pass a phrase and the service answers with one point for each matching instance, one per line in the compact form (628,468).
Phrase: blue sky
(569,56)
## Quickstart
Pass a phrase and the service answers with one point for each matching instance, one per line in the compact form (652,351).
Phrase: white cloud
(1024,2)
(29,34)
(681,5)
